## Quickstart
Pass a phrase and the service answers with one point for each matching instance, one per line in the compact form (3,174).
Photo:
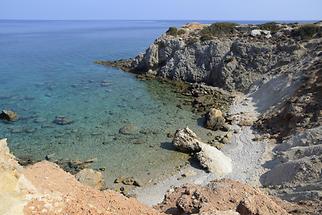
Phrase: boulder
(215,119)
(185,140)
(214,160)
(255,33)
(91,178)
(258,32)
(8,115)
(210,158)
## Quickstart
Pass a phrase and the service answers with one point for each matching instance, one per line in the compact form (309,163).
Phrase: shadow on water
(168,146)
(201,121)
(195,163)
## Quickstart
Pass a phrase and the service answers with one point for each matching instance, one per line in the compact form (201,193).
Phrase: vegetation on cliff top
(307,31)
(217,29)
(173,31)
(270,26)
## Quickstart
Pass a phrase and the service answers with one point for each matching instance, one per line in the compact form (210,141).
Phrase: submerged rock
(127,181)
(8,115)
(62,120)
(128,129)
(91,178)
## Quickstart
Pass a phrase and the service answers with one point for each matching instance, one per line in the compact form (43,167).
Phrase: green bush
(307,31)
(173,31)
(181,31)
(270,26)
(191,40)
(219,28)
(206,37)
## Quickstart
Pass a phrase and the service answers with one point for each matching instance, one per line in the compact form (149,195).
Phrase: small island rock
(8,115)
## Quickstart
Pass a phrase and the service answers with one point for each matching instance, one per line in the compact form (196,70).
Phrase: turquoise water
(47,70)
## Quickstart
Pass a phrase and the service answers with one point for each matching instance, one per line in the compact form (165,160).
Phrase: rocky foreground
(256,84)
(44,188)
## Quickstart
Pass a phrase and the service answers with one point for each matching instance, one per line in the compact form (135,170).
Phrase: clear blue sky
(162,9)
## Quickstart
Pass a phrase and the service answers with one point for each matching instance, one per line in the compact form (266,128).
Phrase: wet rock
(215,119)
(127,181)
(91,178)
(62,120)
(128,129)
(8,115)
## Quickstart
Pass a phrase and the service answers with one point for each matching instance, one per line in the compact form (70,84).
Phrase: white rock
(214,160)
(256,33)
(210,157)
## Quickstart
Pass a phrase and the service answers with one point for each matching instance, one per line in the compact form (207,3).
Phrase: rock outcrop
(222,197)
(209,157)
(44,188)
(229,56)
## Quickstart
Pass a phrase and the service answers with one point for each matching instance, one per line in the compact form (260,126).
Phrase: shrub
(220,28)
(173,31)
(206,37)
(181,31)
(307,31)
(191,40)
(270,26)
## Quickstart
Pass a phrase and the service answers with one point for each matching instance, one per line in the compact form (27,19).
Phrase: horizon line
(160,20)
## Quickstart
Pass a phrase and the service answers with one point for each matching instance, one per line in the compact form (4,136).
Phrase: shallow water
(47,70)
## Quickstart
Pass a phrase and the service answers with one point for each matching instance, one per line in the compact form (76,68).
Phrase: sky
(161,9)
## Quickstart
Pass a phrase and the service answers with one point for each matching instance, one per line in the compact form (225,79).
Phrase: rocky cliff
(225,55)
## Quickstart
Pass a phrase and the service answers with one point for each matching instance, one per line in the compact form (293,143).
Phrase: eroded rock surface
(44,188)
(223,195)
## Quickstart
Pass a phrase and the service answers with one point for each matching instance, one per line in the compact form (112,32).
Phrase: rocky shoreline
(258,87)
(277,66)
